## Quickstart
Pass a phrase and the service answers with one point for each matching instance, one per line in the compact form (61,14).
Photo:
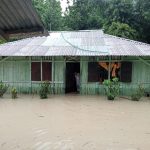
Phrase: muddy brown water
(74,122)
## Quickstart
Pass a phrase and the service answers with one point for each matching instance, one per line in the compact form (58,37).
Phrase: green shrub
(111,88)
(13,93)
(138,93)
(3,88)
(44,89)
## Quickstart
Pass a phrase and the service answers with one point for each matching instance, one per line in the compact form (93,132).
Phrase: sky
(64,4)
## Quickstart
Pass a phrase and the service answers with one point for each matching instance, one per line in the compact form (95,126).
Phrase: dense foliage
(85,14)
(124,18)
(3,89)
(44,89)
(2,41)
(50,12)
(137,95)
(14,93)
(121,30)
(111,88)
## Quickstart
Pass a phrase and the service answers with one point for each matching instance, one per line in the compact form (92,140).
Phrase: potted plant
(111,88)
(3,88)
(138,93)
(13,93)
(44,89)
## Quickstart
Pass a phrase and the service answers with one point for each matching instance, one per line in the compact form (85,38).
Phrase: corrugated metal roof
(75,43)
(18,16)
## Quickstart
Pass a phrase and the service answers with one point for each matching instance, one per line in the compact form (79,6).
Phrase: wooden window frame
(41,70)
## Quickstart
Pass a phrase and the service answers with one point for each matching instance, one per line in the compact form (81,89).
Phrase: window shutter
(93,72)
(36,71)
(47,71)
(126,72)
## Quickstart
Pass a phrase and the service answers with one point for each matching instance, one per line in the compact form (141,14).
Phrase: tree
(50,13)
(122,30)
(119,11)
(128,18)
(142,19)
(84,14)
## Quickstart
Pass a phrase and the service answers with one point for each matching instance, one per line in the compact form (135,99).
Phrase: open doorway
(71,70)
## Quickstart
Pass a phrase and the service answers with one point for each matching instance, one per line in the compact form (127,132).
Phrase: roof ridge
(76,31)
(129,40)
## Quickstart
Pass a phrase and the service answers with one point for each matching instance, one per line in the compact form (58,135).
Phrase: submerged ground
(74,122)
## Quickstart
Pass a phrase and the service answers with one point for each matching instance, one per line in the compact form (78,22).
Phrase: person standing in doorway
(77,77)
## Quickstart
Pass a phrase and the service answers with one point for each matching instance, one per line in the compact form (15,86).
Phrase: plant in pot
(13,93)
(3,88)
(138,93)
(44,89)
(111,88)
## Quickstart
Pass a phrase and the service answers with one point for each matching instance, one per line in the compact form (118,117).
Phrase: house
(91,53)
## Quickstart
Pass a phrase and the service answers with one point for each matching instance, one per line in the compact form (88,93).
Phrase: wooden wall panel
(59,77)
(1,71)
(140,75)
(18,74)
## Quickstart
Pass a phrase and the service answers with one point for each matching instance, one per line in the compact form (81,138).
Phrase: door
(72,68)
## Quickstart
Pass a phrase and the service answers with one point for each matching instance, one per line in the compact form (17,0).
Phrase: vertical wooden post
(2,61)
(53,74)
(64,74)
(13,73)
(2,71)
(109,69)
(30,61)
(41,70)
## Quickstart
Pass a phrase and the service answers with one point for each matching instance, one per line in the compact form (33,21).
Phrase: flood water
(74,122)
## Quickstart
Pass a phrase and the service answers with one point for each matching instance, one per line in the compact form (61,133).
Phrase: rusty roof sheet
(19,16)
(75,43)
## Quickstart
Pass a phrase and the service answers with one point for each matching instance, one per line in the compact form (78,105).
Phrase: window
(126,72)
(98,71)
(92,72)
(36,71)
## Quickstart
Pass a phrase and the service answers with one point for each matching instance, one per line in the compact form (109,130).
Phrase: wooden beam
(41,30)
(3,59)
(144,61)
(24,30)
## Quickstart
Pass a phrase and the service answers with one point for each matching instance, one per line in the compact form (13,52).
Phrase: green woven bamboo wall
(59,78)
(140,75)
(17,72)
